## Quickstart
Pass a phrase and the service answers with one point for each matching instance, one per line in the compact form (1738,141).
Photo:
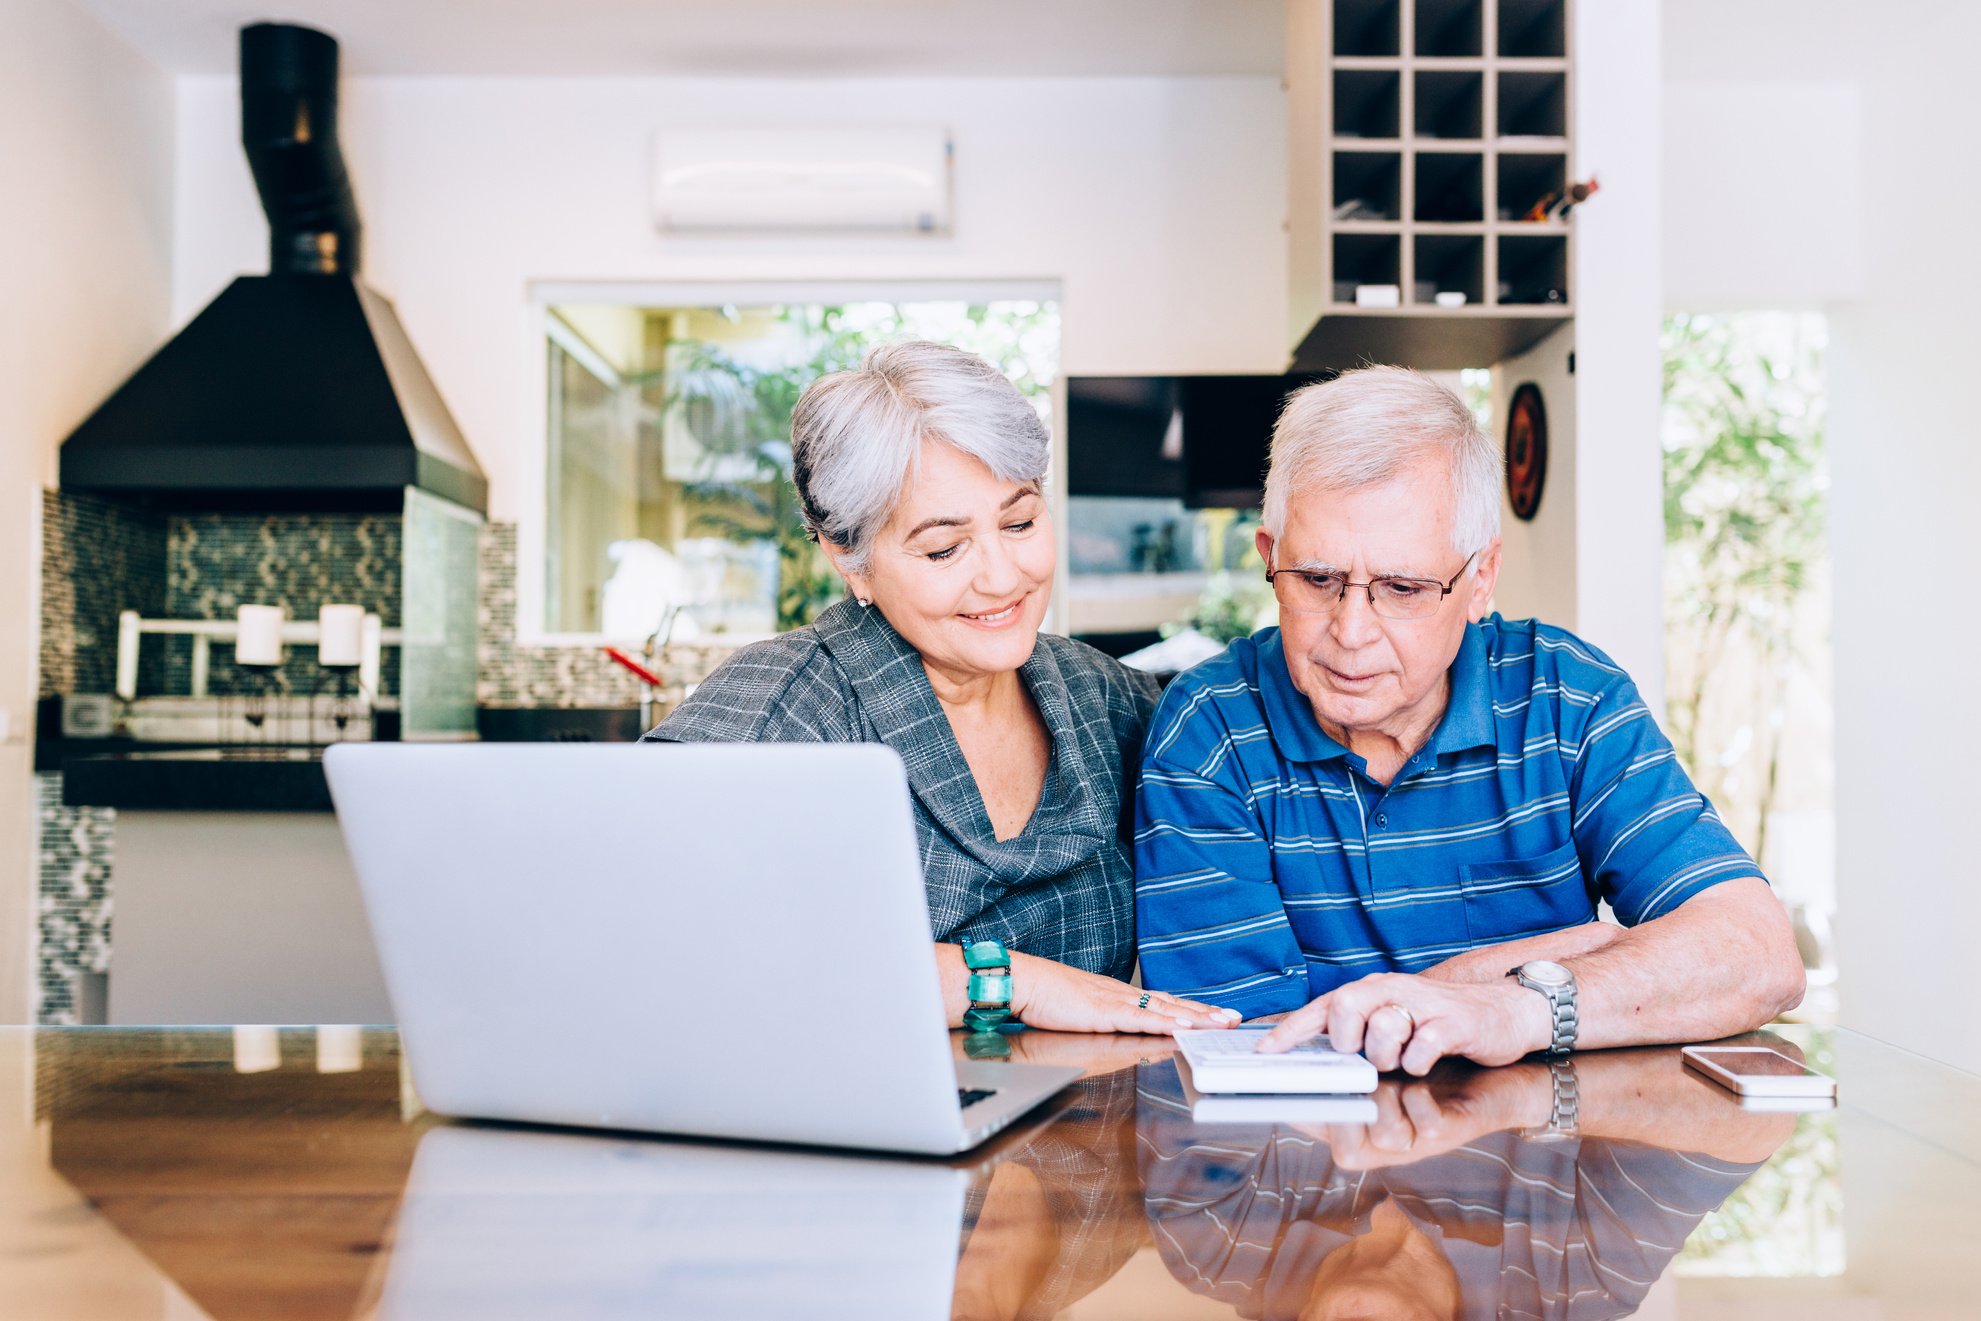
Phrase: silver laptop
(719,940)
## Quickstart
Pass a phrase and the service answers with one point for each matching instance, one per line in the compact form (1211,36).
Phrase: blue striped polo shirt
(1269,867)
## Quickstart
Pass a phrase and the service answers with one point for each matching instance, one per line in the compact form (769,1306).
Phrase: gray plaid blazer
(1063,888)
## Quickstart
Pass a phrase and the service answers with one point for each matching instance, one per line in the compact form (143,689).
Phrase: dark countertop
(200,780)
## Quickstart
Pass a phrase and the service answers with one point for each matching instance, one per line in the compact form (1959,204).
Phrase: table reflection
(1533,1190)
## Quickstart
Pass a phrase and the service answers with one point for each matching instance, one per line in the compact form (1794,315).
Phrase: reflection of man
(1445,1208)
(1391,782)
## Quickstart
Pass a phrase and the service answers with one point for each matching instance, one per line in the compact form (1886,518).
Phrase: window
(669,501)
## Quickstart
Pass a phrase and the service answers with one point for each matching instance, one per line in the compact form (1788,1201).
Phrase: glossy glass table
(251,1172)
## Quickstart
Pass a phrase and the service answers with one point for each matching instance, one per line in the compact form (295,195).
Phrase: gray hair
(857,435)
(1364,427)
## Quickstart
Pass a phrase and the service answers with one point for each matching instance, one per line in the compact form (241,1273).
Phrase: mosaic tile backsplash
(98,558)
(72,907)
(217,562)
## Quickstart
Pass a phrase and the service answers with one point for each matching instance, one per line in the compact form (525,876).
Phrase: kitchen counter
(237,779)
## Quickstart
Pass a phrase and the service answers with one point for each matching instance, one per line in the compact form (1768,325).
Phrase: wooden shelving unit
(1424,135)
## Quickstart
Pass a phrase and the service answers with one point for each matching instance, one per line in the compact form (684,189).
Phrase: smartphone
(1758,1072)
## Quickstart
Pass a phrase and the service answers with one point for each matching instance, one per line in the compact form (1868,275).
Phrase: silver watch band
(1561,1005)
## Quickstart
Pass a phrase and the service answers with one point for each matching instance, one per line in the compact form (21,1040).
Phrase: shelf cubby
(1533,269)
(1365,259)
(1449,186)
(1449,29)
(1450,104)
(1370,180)
(1533,29)
(1368,103)
(1524,180)
(1448,263)
(1368,27)
(1533,105)
(1425,133)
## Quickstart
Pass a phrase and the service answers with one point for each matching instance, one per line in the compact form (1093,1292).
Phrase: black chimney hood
(292,390)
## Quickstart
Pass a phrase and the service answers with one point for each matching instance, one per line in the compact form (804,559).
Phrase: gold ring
(1408,1017)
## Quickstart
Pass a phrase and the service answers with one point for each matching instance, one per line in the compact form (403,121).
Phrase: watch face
(1546,972)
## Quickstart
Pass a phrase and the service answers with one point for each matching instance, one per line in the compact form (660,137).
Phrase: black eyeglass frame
(1368,588)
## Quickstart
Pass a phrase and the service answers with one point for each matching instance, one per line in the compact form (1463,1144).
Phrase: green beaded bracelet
(989,987)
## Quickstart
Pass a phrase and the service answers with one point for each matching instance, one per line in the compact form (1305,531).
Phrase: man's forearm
(1489,963)
(1723,962)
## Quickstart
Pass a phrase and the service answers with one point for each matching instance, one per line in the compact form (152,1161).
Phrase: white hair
(857,435)
(1365,427)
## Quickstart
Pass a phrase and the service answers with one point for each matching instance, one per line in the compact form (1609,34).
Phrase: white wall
(1593,558)
(1898,272)
(1539,574)
(1156,203)
(85,220)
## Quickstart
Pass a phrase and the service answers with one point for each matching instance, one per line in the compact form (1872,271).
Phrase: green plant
(1744,487)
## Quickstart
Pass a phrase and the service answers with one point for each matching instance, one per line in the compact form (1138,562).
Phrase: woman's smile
(997,618)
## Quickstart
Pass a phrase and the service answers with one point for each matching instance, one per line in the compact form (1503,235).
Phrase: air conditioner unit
(731,180)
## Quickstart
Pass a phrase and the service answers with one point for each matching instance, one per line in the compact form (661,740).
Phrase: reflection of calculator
(1228,1061)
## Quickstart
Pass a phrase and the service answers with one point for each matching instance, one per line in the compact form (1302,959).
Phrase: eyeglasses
(1392,598)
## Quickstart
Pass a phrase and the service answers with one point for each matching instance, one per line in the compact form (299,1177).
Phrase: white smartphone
(1758,1071)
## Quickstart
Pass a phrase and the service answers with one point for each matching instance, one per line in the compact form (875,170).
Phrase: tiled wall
(217,562)
(73,904)
(97,558)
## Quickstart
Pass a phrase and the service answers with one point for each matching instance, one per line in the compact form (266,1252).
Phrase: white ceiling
(730,38)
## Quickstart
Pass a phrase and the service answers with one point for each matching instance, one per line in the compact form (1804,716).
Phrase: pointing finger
(1296,1027)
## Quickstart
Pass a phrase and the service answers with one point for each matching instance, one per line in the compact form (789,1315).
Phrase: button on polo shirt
(1270,867)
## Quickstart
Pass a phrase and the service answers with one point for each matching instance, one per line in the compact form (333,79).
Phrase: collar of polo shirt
(1467,721)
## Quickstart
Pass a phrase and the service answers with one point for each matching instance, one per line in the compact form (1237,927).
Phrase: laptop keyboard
(967,1097)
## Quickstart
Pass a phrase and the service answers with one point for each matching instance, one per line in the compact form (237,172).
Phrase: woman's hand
(1052,995)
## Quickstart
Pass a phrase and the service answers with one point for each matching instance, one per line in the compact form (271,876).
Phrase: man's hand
(1417,1120)
(1403,1021)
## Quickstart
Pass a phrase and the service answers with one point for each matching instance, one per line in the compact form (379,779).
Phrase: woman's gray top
(1061,889)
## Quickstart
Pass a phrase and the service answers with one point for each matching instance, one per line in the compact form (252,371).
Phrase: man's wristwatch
(1557,984)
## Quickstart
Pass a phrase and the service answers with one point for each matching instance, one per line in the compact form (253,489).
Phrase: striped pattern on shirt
(1270,868)
(1564,1230)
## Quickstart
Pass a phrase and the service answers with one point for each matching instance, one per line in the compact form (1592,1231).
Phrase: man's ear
(1264,541)
(1485,577)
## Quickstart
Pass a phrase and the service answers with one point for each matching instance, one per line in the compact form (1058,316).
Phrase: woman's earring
(865,602)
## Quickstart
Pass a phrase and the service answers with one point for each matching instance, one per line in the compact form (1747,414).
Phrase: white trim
(532,511)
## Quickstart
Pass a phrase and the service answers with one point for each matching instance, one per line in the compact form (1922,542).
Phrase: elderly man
(1392,817)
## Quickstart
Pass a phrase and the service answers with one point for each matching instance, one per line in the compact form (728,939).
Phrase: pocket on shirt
(1516,897)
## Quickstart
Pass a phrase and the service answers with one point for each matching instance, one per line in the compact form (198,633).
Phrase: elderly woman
(920,474)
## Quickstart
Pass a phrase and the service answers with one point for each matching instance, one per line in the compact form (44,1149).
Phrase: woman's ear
(856,583)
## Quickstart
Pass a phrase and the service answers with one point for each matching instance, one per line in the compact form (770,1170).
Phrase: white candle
(258,635)
(340,630)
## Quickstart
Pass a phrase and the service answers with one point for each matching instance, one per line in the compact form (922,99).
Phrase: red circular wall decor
(1526,450)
